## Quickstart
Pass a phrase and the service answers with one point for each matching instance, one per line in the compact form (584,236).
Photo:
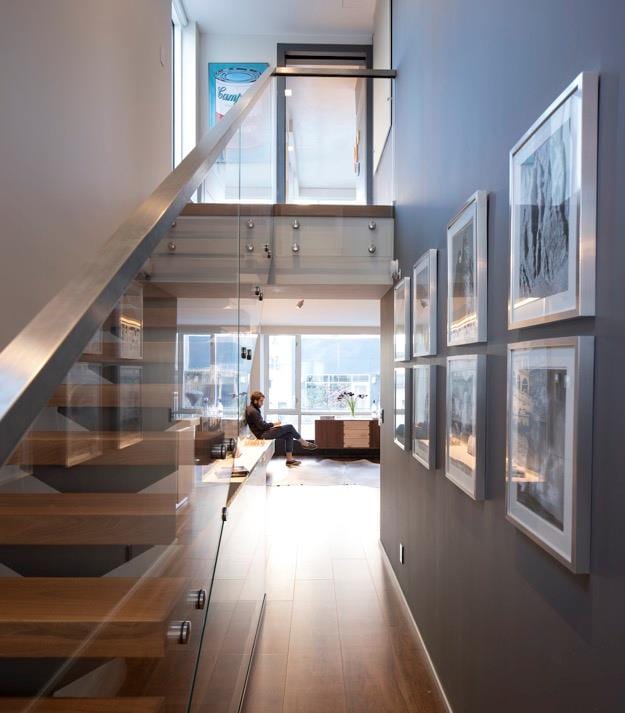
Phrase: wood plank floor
(335,638)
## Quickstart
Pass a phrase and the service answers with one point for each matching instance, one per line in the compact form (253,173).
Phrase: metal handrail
(320,72)
(39,357)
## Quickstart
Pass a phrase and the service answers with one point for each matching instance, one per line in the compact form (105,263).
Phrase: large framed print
(549,445)
(553,196)
(467,272)
(424,414)
(424,304)
(401,320)
(466,419)
(400,408)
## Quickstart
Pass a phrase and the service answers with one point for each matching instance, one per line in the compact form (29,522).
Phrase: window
(305,374)
(210,367)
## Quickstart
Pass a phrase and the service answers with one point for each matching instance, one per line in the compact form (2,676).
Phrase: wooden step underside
(85,617)
(81,705)
(87,519)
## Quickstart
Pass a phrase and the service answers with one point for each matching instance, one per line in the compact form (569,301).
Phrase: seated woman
(275,430)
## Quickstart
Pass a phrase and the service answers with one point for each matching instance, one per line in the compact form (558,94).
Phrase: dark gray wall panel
(508,628)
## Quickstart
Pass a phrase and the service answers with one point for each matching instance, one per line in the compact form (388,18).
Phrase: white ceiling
(291,17)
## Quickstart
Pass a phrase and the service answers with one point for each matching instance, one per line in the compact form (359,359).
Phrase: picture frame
(467,276)
(401,320)
(553,210)
(465,423)
(424,304)
(401,411)
(424,415)
(549,445)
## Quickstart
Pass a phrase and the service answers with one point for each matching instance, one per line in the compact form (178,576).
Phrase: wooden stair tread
(112,395)
(87,599)
(87,519)
(138,504)
(81,705)
(99,447)
(97,617)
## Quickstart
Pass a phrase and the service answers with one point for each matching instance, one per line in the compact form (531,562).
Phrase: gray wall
(508,628)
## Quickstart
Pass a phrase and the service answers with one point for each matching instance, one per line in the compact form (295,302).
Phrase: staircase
(132,559)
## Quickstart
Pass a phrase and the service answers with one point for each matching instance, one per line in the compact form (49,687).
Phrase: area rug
(325,472)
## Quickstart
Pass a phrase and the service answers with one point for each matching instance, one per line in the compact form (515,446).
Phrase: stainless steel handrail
(330,71)
(35,362)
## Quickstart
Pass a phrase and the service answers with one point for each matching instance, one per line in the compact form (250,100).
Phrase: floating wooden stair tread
(86,617)
(87,519)
(112,395)
(99,447)
(81,705)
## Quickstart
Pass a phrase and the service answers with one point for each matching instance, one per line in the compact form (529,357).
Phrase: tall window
(176,80)
(306,373)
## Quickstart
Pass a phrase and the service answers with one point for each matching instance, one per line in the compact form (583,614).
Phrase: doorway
(324,127)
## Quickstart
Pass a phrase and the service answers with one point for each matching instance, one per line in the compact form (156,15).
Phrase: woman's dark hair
(256,396)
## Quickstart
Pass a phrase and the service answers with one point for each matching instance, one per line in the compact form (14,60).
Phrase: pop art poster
(227,83)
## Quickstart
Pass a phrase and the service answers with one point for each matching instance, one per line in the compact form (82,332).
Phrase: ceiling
(277,17)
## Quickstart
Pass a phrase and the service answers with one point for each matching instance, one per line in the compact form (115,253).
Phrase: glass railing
(123,525)
(122,580)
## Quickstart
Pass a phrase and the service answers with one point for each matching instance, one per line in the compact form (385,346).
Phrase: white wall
(85,135)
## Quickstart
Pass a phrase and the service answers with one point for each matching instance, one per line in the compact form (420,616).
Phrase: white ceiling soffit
(278,17)
(351,313)
(321,313)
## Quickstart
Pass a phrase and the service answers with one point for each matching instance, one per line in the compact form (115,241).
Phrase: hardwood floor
(335,637)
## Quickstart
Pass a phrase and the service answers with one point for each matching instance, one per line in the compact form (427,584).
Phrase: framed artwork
(400,409)
(424,414)
(424,301)
(227,83)
(401,316)
(466,419)
(553,196)
(549,445)
(467,272)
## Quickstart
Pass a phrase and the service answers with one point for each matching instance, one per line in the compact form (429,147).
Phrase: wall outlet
(402,554)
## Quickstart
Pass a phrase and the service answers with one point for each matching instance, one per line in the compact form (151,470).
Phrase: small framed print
(424,304)
(467,272)
(466,419)
(424,414)
(401,317)
(553,211)
(549,445)
(400,409)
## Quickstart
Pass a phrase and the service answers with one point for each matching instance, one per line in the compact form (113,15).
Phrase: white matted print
(464,447)
(401,316)
(467,272)
(553,187)
(424,304)
(424,414)
(549,445)
(400,410)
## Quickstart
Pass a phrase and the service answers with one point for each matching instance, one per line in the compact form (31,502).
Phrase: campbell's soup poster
(227,83)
